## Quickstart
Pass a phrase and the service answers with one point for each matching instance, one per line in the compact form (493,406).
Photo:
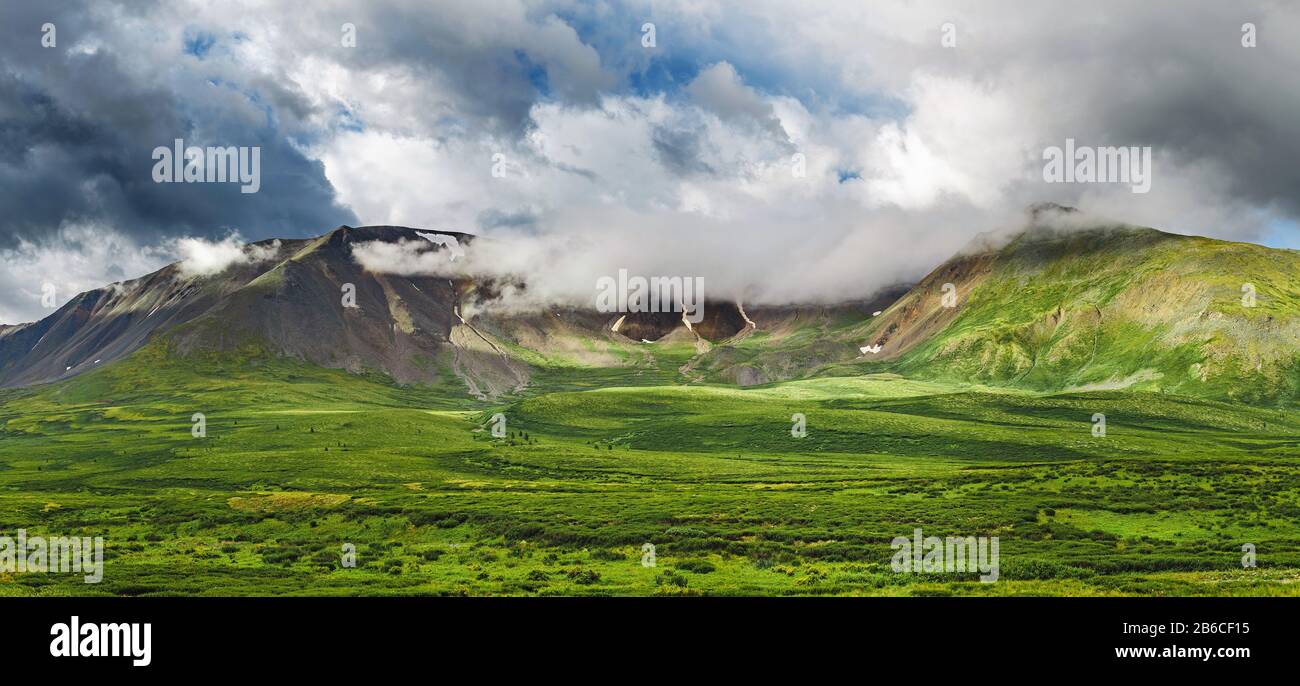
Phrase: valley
(299,461)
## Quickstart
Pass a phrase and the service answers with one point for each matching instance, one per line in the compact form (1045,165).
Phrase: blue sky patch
(198,43)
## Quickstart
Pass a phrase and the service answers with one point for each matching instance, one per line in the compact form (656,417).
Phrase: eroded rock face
(649,326)
(719,321)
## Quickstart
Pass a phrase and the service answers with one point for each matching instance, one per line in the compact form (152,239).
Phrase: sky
(784,152)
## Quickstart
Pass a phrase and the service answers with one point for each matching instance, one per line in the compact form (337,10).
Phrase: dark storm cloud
(77,131)
(1177,77)
(77,127)
(1236,108)
(490,63)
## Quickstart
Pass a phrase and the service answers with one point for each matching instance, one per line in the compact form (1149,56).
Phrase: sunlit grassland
(299,461)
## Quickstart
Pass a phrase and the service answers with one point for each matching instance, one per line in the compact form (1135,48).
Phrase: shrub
(697,566)
(584,577)
(671,579)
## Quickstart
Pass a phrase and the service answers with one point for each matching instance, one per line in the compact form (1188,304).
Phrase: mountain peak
(1041,211)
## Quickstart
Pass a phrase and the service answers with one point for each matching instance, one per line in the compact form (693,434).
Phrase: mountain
(1100,308)
(1047,309)
(288,299)
(1066,305)
(310,300)
(106,324)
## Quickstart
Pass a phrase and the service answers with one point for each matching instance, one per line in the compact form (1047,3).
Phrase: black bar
(333,636)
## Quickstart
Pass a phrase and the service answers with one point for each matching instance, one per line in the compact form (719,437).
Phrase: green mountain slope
(1101,309)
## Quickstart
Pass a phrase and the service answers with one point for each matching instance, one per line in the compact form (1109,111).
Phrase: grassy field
(299,461)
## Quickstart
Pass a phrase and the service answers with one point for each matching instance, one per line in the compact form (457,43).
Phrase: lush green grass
(299,461)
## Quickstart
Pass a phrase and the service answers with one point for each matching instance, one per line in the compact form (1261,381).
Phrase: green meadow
(299,461)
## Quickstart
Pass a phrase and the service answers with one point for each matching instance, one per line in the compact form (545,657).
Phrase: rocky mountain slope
(310,299)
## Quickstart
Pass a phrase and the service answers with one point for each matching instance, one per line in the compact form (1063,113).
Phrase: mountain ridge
(293,299)
(1052,307)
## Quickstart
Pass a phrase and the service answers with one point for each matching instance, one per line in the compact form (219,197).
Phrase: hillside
(1105,308)
(106,324)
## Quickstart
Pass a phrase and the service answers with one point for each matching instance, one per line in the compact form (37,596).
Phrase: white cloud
(719,88)
(203,257)
(603,195)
